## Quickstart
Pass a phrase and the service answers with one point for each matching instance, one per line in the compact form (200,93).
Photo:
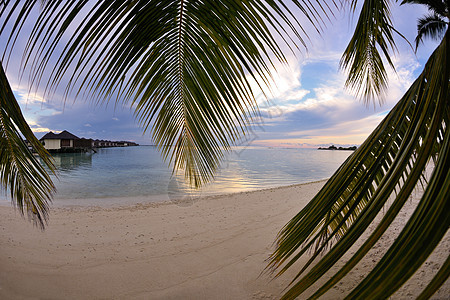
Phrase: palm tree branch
(182,65)
(430,221)
(30,186)
(432,26)
(400,199)
(412,133)
(362,59)
(439,7)
(356,165)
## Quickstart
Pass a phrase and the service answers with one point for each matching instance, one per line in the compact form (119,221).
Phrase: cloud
(284,82)
(345,133)
(328,113)
(36,128)
(42,130)
(29,98)
(306,104)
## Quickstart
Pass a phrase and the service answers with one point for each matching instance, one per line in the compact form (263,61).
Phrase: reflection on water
(66,162)
(140,172)
(257,168)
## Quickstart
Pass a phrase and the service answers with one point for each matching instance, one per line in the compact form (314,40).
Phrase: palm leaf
(184,66)
(432,26)
(391,161)
(28,183)
(362,58)
(438,7)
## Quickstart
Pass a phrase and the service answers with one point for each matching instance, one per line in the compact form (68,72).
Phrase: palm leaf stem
(352,168)
(430,221)
(365,217)
(157,56)
(400,200)
(30,186)
(411,133)
(417,240)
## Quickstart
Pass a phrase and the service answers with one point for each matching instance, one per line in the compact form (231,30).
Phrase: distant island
(333,147)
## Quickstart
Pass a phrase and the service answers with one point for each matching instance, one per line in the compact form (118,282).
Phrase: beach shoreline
(213,247)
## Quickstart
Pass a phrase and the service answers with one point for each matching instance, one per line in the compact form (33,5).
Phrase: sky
(307,104)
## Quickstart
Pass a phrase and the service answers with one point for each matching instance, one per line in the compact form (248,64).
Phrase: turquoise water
(140,172)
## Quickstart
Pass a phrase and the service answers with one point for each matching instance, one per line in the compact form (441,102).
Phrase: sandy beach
(206,248)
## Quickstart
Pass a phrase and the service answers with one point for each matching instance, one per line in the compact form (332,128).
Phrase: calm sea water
(139,172)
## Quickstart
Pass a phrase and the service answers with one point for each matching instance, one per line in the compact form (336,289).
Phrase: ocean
(138,174)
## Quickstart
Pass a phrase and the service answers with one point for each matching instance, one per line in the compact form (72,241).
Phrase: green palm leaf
(430,26)
(391,161)
(28,183)
(184,66)
(362,58)
(434,24)
(438,7)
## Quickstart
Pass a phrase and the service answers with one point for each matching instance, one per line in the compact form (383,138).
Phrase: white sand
(211,248)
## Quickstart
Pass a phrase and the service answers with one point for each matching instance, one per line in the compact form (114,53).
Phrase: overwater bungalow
(68,142)
(64,141)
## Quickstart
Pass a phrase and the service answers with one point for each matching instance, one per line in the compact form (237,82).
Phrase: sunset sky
(307,106)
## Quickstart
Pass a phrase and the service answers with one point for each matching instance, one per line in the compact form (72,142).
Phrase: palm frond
(431,26)
(21,174)
(438,7)
(184,66)
(391,161)
(362,58)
